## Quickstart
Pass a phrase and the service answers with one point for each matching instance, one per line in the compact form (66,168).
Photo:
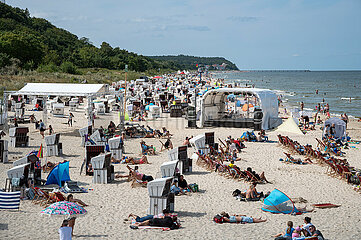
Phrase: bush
(68,67)
(50,67)
(4,60)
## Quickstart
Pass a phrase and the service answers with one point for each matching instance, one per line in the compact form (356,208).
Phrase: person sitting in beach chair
(147,149)
(111,127)
(167,145)
(254,177)
(240,218)
(135,176)
(166,132)
(234,156)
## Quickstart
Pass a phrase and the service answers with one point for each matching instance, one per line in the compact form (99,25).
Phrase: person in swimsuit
(139,176)
(240,218)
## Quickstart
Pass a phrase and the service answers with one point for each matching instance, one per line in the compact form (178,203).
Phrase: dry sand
(110,204)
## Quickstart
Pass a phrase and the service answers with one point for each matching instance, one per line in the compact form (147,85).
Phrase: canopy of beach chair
(340,127)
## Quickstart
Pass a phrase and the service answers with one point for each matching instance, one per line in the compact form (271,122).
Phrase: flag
(40,152)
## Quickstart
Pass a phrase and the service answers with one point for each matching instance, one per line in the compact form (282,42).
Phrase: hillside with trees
(30,43)
(191,62)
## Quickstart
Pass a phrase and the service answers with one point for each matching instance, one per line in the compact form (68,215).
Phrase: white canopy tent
(213,104)
(62,89)
(340,127)
(68,89)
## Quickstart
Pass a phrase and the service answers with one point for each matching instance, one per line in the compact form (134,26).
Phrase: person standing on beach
(42,128)
(302,105)
(51,130)
(65,231)
(344,118)
(70,120)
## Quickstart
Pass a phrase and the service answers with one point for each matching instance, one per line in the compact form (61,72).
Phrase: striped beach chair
(10,200)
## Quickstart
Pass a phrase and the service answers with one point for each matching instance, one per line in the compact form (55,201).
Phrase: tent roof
(61,89)
(289,126)
(336,121)
(58,174)
(268,102)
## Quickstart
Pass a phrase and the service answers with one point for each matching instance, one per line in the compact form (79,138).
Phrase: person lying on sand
(240,218)
(169,222)
(131,160)
(135,174)
(164,214)
(291,159)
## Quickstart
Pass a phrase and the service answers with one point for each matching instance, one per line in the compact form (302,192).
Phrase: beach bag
(218,219)
(194,187)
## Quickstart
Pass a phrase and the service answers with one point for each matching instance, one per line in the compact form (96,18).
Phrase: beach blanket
(325,205)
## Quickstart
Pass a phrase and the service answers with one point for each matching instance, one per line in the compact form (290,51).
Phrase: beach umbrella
(147,108)
(64,208)
(157,77)
(247,106)
(231,96)
(40,152)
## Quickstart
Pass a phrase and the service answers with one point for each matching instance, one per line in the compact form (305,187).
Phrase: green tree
(25,47)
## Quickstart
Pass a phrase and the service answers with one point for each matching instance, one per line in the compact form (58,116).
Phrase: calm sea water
(335,87)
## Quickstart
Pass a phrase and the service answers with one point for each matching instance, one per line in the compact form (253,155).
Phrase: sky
(254,34)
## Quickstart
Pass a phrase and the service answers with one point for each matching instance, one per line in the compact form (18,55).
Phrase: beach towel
(151,227)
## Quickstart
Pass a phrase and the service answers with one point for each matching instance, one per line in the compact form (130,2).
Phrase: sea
(340,89)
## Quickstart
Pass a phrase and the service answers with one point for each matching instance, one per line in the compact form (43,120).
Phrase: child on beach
(296,233)
(287,235)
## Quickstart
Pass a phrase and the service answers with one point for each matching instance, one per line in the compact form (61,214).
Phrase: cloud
(73,18)
(243,19)
(295,55)
(180,28)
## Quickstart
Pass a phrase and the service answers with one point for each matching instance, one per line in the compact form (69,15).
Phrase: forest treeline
(32,43)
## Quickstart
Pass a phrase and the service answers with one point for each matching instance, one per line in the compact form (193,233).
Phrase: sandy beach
(110,204)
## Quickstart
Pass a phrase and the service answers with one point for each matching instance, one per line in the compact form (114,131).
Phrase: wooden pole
(125,90)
